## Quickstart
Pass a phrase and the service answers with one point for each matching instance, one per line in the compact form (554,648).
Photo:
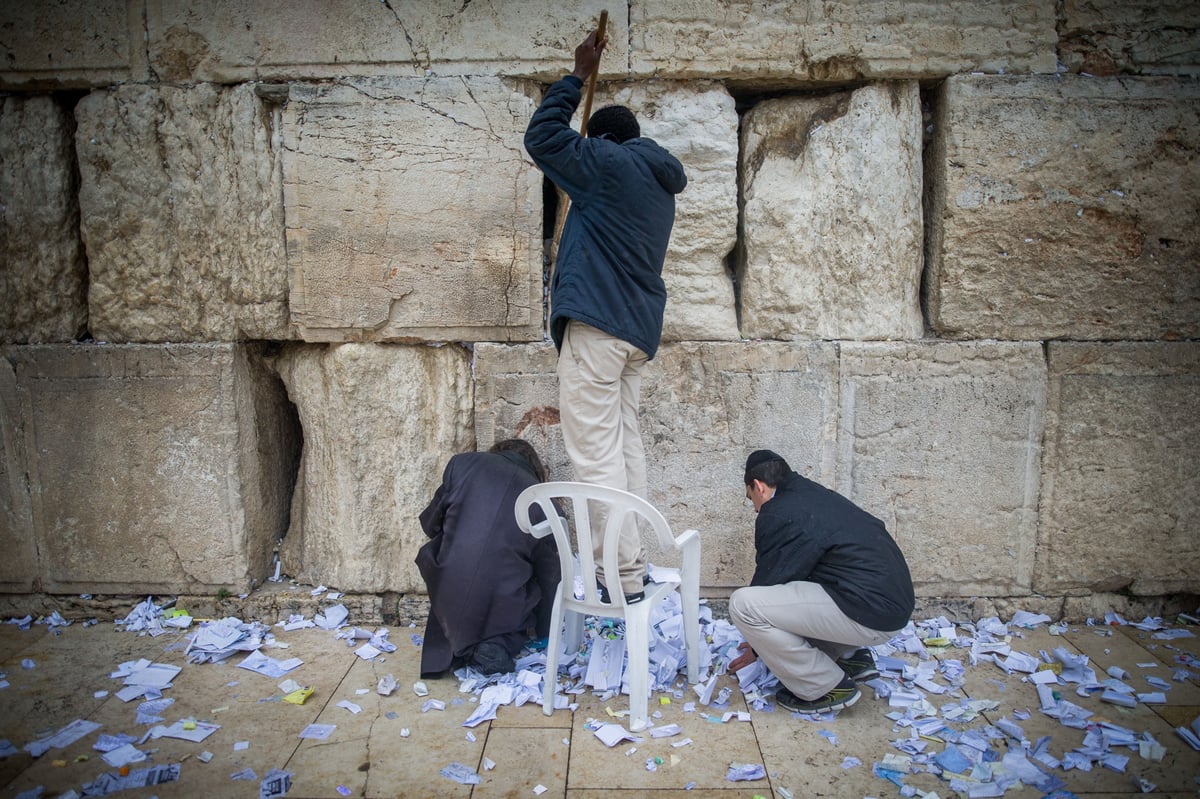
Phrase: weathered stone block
(43,276)
(380,422)
(412,212)
(698,124)
(1121,486)
(181,214)
(942,442)
(704,408)
(837,41)
(831,189)
(146,470)
(19,567)
(1065,208)
(229,41)
(1109,37)
(72,44)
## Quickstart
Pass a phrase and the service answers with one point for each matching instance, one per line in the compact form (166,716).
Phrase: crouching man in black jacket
(828,580)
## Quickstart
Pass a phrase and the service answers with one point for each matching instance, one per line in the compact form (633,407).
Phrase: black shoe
(843,695)
(491,658)
(629,598)
(859,665)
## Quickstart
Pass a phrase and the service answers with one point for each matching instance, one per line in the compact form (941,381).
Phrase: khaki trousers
(599,385)
(799,632)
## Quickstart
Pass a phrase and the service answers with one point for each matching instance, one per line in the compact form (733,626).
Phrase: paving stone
(525,757)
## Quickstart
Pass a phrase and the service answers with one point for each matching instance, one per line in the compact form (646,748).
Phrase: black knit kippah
(615,120)
(761,456)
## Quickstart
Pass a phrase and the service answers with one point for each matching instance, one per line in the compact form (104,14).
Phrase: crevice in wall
(68,101)
(932,188)
(550,201)
(279,440)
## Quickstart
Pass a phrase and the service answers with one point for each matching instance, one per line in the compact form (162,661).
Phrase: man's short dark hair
(616,121)
(765,465)
(524,450)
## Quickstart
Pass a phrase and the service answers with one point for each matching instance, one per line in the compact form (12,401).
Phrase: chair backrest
(586,500)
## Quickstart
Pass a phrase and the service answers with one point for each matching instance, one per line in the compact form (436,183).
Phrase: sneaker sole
(842,705)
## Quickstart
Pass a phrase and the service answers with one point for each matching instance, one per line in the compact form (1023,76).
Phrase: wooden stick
(591,87)
(561,216)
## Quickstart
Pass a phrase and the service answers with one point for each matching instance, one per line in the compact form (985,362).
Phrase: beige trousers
(798,631)
(599,385)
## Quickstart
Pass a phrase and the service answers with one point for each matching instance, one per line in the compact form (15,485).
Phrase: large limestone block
(1121,491)
(19,568)
(1109,37)
(697,123)
(412,212)
(831,188)
(146,470)
(71,43)
(704,408)
(1065,208)
(182,214)
(943,443)
(380,422)
(43,276)
(228,41)
(780,41)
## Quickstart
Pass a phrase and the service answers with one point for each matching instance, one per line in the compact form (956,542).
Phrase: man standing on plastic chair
(488,581)
(607,295)
(828,580)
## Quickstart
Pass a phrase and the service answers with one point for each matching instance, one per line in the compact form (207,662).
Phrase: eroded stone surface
(832,236)
(942,442)
(380,422)
(1065,208)
(1109,37)
(698,124)
(838,41)
(140,456)
(71,45)
(229,41)
(1121,501)
(181,214)
(19,568)
(704,408)
(43,277)
(412,212)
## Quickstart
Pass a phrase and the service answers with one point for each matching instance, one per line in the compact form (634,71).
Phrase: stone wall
(265,266)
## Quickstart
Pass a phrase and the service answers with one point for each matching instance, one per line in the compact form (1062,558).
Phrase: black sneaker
(843,695)
(860,665)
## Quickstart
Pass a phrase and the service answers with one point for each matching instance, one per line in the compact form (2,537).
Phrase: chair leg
(637,648)
(574,632)
(553,650)
(691,636)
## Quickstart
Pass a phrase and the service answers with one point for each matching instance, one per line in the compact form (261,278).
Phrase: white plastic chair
(621,506)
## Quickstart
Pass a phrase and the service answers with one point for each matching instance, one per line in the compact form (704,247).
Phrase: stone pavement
(366,755)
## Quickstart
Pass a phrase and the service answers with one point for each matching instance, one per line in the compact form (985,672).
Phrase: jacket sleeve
(435,513)
(560,152)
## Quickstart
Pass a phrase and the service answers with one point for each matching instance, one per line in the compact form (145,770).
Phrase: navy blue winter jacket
(610,258)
